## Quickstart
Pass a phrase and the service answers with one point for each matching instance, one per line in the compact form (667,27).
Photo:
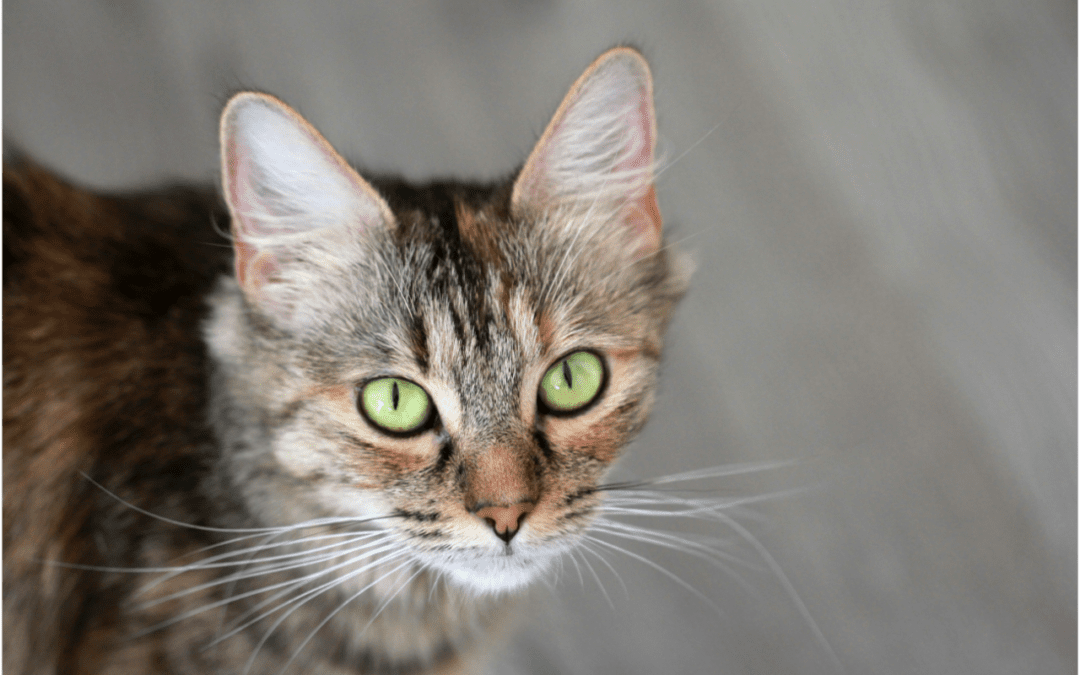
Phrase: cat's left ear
(282,181)
(597,154)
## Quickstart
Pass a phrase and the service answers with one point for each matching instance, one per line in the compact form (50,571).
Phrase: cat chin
(495,576)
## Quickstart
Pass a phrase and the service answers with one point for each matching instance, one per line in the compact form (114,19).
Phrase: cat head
(461,362)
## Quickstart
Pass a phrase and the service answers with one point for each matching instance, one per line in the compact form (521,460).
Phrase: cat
(350,441)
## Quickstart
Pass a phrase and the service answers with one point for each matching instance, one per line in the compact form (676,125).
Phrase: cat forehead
(451,215)
(460,285)
(496,271)
(470,232)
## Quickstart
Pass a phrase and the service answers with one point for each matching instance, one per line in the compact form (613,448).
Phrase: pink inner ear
(252,268)
(644,220)
(643,212)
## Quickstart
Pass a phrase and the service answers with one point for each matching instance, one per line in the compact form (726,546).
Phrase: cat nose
(505,520)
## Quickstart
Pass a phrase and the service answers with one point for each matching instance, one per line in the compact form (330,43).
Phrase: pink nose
(505,520)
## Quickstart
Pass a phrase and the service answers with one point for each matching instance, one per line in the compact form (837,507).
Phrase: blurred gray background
(881,198)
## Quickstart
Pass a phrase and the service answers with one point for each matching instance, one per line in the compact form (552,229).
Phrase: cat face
(460,363)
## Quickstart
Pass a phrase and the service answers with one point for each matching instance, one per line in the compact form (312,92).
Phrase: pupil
(566,374)
(394,396)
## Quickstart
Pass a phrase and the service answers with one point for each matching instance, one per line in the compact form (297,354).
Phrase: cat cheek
(600,434)
(303,457)
(598,441)
(392,465)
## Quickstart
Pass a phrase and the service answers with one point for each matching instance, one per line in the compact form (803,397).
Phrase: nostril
(505,521)
(505,535)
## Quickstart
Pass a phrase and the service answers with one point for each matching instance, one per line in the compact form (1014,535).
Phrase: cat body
(352,441)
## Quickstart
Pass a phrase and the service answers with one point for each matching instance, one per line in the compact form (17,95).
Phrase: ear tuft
(597,154)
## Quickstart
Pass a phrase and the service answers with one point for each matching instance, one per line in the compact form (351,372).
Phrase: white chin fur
(496,575)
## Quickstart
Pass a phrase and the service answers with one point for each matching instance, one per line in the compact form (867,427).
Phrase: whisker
(240,624)
(618,577)
(267,537)
(704,510)
(205,528)
(229,592)
(581,579)
(556,570)
(668,540)
(596,577)
(221,603)
(789,588)
(292,542)
(722,471)
(435,582)
(261,571)
(688,507)
(663,570)
(231,588)
(227,542)
(255,550)
(641,499)
(332,614)
(386,602)
(213,562)
(709,555)
(548,583)
(715,557)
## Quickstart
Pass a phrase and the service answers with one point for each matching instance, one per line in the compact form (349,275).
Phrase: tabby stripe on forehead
(477,232)
(419,337)
(471,254)
(459,324)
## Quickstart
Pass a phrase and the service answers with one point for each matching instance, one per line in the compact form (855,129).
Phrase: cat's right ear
(282,180)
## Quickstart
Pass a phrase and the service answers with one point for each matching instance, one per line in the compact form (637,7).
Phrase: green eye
(395,405)
(572,383)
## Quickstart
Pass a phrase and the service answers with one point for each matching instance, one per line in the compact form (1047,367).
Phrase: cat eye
(396,406)
(572,383)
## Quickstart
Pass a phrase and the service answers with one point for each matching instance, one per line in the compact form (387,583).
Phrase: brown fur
(98,355)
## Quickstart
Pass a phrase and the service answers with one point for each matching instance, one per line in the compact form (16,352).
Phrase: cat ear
(596,155)
(282,180)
